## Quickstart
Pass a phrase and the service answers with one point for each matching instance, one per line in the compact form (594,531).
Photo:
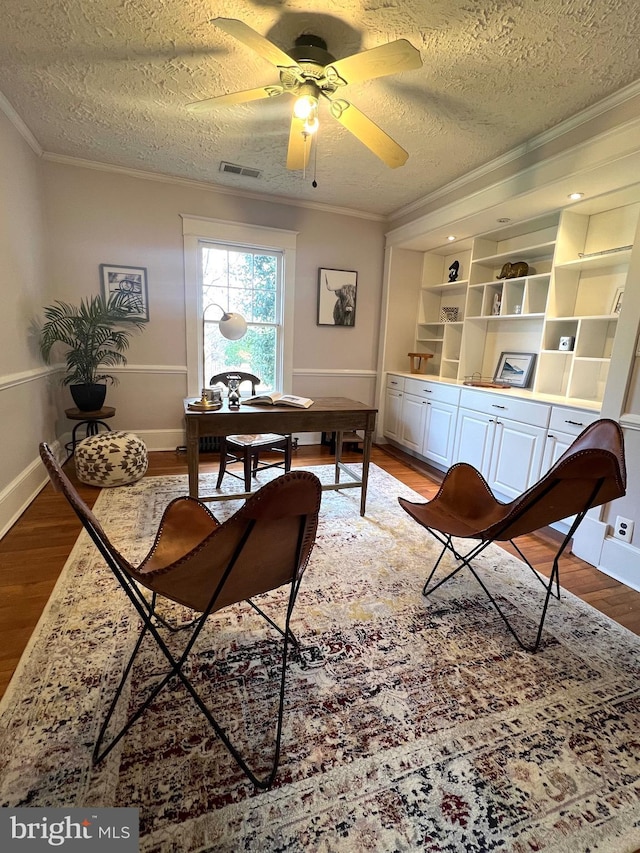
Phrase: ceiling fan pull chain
(305,137)
(314,182)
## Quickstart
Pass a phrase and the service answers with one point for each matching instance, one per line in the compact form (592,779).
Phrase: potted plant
(93,339)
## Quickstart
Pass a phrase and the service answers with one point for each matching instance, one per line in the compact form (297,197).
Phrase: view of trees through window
(248,282)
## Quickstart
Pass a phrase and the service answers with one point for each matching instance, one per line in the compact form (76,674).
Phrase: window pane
(255,353)
(241,281)
(246,281)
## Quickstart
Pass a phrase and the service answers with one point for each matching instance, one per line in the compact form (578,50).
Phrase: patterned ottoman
(111,459)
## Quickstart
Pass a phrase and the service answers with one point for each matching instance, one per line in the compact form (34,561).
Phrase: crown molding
(66,160)
(589,114)
(20,126)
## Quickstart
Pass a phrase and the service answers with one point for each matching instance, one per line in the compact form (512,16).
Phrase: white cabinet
(421,416)
(440,408)
(564,426)
(393,407)
(439,434)
(412,421)
(503,438)
(516,457)
(474,439)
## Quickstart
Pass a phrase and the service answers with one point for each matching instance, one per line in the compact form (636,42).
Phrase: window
(231,264)
(248,281)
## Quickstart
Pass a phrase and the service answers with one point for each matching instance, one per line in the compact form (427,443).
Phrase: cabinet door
(555,445)
(516,457)
(392,413)
(440,431)
(474,439)
(412,424)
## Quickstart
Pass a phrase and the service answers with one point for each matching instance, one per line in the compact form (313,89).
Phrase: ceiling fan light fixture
(306,103)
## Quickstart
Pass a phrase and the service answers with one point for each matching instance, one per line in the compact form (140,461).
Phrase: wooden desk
(327,414)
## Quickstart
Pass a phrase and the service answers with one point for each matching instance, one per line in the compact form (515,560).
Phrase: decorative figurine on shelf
(497,304)
(514,270)
(453,271)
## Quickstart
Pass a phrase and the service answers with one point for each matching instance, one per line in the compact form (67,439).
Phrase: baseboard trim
(23,489)
(620,561)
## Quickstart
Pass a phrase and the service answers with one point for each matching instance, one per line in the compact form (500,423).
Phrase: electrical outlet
(623,529)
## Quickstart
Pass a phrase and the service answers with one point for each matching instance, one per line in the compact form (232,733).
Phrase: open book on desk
(274,398)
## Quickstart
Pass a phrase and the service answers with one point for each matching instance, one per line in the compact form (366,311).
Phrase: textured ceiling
(109,81)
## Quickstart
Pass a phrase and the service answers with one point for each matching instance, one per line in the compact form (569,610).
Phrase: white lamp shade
(232,326)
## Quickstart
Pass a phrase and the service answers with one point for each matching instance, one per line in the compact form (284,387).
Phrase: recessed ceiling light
(576,196)
(504,219)
(451,237)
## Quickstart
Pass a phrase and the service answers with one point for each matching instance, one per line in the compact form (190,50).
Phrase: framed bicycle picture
(131,282)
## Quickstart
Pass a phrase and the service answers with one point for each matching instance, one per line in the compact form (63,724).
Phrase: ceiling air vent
(247,171)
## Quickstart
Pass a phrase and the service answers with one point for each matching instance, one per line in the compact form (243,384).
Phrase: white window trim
(195,229)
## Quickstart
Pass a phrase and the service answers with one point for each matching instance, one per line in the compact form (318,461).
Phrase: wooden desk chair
(204,565)
(247,448)
(590,472)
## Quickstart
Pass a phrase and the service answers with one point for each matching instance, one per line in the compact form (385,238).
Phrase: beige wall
(27,396)
(59,222)
(96,217)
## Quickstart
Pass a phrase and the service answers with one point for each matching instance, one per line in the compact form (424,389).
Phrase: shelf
(528,253)
(536,276)
(575,317)
(505,316)
(597,262)
(447,285)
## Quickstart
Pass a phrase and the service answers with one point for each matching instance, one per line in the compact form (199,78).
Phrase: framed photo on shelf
(131,282)
(337,297)
(515,368)
(616,305)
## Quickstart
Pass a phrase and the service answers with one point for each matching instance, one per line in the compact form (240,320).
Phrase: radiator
(209,444)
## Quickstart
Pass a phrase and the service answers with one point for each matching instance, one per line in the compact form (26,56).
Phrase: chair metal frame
(249,454)
(603,489)
(146,607)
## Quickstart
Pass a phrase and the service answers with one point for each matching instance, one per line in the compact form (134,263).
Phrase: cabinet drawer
(504,406)
(572,421)
(432,390)
(395,382)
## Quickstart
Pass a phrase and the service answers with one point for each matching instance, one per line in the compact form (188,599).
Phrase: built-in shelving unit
(565,308)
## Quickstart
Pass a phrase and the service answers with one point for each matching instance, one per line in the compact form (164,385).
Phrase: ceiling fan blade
(235,98)
(299,145)
(376,140)
(391,58)
(262,46)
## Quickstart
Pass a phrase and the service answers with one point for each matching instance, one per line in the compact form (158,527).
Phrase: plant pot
(88,398)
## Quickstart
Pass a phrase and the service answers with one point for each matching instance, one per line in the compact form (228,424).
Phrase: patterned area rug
(409,724)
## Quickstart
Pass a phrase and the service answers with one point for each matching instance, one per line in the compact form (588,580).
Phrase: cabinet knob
(427,390)
(497,406)
(574,423)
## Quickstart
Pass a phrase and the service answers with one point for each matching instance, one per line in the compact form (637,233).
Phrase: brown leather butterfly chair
(206,565)
(247,448)
(591,472)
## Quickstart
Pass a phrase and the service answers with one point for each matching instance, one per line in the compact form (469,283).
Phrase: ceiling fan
(307,72)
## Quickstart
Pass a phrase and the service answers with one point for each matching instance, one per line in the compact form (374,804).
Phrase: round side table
(91,421)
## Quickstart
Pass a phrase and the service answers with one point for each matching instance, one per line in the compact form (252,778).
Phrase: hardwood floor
(34,551)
